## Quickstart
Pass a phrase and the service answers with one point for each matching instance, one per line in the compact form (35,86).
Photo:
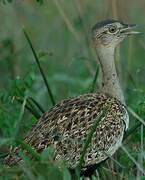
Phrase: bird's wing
(68,123)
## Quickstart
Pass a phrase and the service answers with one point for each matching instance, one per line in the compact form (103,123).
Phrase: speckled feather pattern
(67,125)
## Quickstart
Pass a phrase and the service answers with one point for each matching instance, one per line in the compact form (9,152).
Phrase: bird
(68,123)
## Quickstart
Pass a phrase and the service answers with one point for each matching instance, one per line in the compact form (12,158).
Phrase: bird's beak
(128,29)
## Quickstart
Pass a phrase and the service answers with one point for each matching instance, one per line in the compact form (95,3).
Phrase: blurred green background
(60,31)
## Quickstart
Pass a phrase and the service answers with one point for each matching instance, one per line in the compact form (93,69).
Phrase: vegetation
(46,56)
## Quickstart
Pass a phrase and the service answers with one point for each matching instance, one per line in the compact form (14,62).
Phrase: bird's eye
(112,29)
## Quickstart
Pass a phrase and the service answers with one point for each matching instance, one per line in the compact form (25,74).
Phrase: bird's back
(67,125)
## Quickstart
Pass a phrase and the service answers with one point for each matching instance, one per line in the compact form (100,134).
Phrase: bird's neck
(110,82)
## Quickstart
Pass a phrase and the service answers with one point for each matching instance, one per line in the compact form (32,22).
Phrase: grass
(67,67)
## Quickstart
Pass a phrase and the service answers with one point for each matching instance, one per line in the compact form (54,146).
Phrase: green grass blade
(40,68)
(29,106)
(19,121)
(113,159)
(36,104)
(132,129)
(136,115)
(89,137)
(136,126)
(133,159)
(29,149)
(30,109)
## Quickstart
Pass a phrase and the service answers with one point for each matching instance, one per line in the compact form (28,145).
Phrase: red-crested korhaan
(67,124)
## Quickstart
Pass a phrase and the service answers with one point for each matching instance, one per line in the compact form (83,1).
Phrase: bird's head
(109,33)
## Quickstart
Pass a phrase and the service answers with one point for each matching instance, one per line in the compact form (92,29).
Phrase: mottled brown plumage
(68,123)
